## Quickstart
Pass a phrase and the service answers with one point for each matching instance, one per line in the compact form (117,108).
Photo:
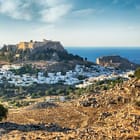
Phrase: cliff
(117,62)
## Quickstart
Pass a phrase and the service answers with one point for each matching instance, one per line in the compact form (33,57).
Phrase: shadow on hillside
(8,126)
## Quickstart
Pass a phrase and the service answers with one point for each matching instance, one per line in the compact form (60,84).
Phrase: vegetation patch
(3,112)
(137,73)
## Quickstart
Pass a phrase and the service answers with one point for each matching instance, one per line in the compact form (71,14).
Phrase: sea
(91,53)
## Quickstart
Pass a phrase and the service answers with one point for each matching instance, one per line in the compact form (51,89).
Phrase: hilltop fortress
(55,45)
(36,50)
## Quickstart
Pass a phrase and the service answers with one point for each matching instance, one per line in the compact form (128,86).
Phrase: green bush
(3,112)
(137,73)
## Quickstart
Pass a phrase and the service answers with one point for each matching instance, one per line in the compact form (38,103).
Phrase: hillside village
(72,77)
(61,67)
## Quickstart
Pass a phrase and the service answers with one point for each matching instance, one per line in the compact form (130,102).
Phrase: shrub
(3,112)
(131,76)
(137,73)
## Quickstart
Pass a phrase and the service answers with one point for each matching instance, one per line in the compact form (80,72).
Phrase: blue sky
(73,22)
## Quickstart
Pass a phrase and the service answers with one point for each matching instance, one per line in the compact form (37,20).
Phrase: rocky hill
(117,62)
(36,50)
(109,115)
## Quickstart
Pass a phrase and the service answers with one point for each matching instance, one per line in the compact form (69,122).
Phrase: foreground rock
(121,94)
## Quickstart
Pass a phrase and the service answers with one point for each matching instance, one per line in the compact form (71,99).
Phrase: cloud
(88,12)
(84,12)
(15,9)
(52,3)
(41,10)
(55,13)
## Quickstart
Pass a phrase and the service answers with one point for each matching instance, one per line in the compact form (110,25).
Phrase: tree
(3,112)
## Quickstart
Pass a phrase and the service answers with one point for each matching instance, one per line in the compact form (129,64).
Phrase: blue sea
(91,53)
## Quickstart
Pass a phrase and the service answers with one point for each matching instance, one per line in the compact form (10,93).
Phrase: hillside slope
(110,115)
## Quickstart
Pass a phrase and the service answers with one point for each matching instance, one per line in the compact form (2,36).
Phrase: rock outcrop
(122,93)
(117,62)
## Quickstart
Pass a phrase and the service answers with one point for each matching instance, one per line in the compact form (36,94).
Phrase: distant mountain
(117,62)
(36,50)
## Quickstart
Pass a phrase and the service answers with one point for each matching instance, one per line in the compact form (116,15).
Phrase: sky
(73,22)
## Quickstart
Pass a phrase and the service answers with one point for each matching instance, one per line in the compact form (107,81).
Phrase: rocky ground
(110,115)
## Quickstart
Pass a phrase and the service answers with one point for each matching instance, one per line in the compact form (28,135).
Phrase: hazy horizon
(91,23)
